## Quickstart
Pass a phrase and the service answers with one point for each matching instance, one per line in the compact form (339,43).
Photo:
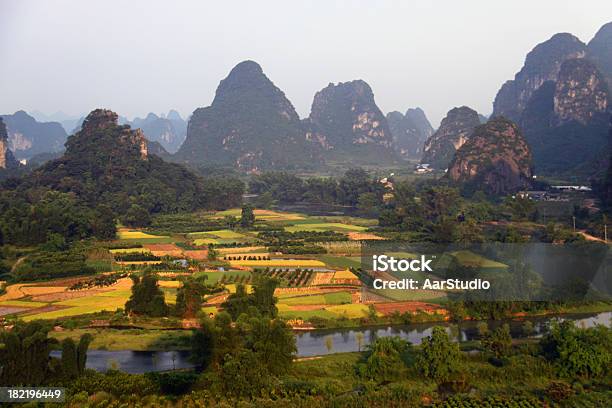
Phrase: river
(322,342)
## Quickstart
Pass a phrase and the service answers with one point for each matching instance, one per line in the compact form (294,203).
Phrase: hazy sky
(140,56)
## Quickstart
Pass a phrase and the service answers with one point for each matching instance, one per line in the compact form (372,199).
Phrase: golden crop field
(130,251)
(138,262)
(241,249)
(130,234)
(345,275)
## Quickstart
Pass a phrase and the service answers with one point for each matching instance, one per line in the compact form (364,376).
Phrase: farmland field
(325,287)
(298,263)
(327,226)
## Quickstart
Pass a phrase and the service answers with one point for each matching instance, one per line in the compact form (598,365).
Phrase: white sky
(140,56)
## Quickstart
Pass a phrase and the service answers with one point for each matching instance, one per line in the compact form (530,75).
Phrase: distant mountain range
(27,137)
(560,100)
(169,130)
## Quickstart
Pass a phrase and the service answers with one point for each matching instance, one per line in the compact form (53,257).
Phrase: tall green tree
(498,342)
(237,303)
(579,352)
(189,298)
(147,298)
(247,218)
(439,358)
(385,359)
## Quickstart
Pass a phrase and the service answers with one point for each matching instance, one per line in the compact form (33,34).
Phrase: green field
(213,277)
(134,339)
(341,261)
(335,298)
(223,234)
(326,226)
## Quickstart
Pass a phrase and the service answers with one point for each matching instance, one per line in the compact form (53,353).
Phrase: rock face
(7,161)
(495,159)
(100,128)
(560,99)
(345,121)
(170,133)
(157,149)
(250,125)
(600,51)
(409,131)
(565,121)
(542,64)
(28,137)
(581,92)
(454,131)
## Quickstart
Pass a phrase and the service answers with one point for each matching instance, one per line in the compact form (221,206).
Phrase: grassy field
(327,226)
(350,311)
(213,277)
(290,263)
(223,234)
(130,251)
(109,301)
(340,261)
(334,298)
(138,340)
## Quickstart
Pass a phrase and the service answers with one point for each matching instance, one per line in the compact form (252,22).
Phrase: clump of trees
(189,298)
(262,298)
(25,360)
(35,217)
(245,348)
(385,359)
(439,358)
(578,353)
(355,188)
(247,217)
(147,298)
(51,264)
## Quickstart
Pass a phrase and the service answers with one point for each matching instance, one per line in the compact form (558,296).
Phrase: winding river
(321,342)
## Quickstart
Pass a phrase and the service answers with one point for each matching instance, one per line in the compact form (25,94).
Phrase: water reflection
(322,342)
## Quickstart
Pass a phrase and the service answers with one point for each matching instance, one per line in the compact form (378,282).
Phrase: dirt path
(17,263)
(590,237)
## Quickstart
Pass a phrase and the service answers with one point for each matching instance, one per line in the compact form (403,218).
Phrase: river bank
(326,342)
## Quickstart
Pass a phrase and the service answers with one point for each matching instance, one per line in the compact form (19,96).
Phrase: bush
(174,383)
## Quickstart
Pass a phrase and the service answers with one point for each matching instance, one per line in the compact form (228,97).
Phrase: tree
(237,303)
(136,216)
(243,375)
(468,232)
(103,225)
(203,344)
(230,221)
(273,342)
(578,352)
(367,203)
(499,342)
(212,253)
(263,296)
(439,358)
(385,359)
(24,356)
(189,298)
(147,298)
(74,357)
(247,218)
